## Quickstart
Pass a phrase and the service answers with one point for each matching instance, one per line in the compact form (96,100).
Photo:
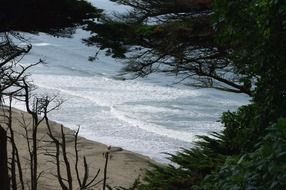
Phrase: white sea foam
(153,128)
(109,92)
(120,112)
(42,44)
(149,115)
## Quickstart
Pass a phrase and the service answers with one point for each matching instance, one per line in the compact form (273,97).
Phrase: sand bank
(123,166)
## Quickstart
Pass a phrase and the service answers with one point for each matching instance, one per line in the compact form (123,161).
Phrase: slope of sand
(123,166)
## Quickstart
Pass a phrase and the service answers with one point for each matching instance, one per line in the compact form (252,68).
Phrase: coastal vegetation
(230,45)
(58,18)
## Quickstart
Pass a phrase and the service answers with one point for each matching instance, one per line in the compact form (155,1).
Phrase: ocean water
(149,115)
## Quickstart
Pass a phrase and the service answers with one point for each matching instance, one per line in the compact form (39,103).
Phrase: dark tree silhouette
(237,45)
(4,177)
(50,16)
(176,37)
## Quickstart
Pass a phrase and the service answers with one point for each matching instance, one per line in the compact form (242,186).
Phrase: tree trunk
(4,176)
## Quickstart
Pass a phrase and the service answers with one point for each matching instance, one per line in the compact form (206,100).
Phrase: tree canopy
(50,16)
(256,34)
(228,44)
(170,36)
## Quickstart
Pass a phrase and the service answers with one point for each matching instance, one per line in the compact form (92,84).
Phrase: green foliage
(263,169)
(112,37)
(174,37)
(242,130)
(210,152)
(214,164)
(167,177)
(249,37)
(190,166)
(246,37)
(118,36)
(256,33)
(134,186)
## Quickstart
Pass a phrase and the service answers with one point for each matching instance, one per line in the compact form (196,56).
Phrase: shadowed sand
(123,166)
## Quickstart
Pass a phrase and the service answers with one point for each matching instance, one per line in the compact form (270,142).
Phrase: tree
(229,44)
(4,177)
(10,77)
(255,32)
(53,17)
(49,16)
(170,36)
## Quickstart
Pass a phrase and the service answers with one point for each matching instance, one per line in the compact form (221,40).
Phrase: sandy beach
(123,166)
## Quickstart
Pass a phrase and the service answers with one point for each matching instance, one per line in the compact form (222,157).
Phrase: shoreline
(124,166)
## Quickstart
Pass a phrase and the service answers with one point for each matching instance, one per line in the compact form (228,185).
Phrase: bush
(263,169)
